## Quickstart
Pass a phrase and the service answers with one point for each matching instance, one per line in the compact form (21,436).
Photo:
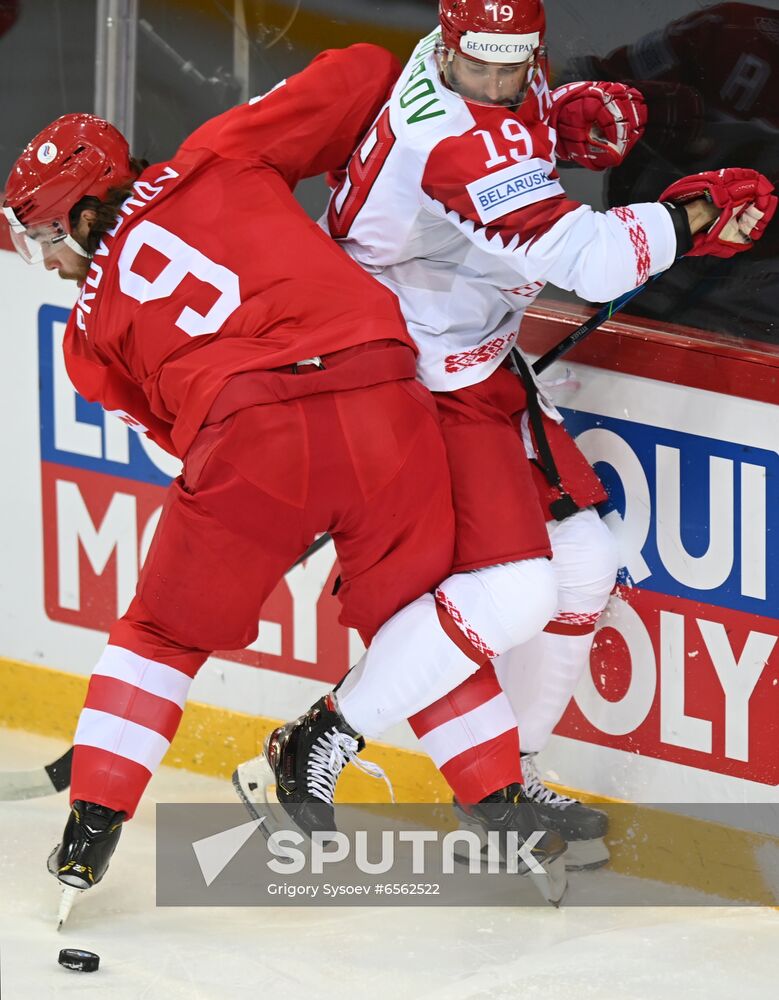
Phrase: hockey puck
(79,961)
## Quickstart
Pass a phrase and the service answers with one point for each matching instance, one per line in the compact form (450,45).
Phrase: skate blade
(69,896)
(586,855)
(553,883)
(255,783)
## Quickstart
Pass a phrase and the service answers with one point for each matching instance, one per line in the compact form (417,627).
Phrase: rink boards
(681,700)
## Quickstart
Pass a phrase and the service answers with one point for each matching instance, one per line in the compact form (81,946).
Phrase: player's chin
(488,102)
(503,102)
(72,276)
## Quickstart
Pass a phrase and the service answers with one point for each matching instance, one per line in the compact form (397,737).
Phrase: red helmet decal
(75,156)
(506,31)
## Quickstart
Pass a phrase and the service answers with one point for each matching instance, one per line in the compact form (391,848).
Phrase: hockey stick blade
(55,777)
(48,780)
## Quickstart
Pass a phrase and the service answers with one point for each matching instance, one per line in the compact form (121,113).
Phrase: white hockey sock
(541,675)
(410,663)
(539,679)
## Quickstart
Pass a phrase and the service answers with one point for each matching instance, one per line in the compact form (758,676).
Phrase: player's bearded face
(499,84)
(66,262)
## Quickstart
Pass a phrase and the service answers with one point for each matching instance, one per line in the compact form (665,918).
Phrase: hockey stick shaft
(576,336)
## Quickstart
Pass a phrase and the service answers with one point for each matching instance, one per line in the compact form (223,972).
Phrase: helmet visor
(492,84)
(33,243)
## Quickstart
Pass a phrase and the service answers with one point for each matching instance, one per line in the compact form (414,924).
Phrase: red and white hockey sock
(471,736)
(132,710)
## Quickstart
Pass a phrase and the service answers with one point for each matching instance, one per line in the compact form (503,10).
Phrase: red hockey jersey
(213,269)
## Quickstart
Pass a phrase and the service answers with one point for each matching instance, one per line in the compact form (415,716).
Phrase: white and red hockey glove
(597,124)
(746,202)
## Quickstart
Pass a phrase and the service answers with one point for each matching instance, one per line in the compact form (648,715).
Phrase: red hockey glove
(746,205)
(597,124)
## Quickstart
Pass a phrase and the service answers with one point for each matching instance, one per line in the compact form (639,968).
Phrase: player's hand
(597,124)
(746,205)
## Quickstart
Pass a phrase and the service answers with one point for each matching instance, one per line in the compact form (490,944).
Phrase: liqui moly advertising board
(686,664)
(103,486)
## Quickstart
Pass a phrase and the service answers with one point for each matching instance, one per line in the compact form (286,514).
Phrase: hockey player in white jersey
(454,202)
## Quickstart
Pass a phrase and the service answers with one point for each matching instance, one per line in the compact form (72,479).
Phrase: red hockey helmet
(494,31)
(75,156)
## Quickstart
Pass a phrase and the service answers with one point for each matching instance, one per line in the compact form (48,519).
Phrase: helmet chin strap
(76,247)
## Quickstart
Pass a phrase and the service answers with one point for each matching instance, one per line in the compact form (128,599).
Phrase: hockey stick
(55,777)
(576,336)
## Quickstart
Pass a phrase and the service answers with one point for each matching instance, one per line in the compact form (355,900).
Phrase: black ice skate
(88,843)
(299,770)
(581,826)
(509,815)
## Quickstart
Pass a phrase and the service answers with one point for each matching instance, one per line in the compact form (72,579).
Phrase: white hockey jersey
(458,208)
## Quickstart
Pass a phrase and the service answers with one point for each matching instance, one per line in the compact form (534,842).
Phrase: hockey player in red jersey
(215,317)
(454,202)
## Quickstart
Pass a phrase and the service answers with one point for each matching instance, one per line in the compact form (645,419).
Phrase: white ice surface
(620,953)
